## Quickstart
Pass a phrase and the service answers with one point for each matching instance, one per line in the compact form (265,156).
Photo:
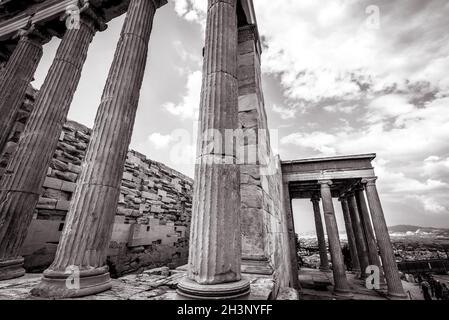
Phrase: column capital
(159,3)
(369,181)
(343,197)
(34,34)
(325,182)
(83,13)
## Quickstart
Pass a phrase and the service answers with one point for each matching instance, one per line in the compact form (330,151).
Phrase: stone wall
(265,237)
(151,227)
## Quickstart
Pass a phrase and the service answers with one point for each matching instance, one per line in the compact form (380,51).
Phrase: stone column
(16,78)
(215,236)
(350,234)
(22,181)
(362,250)
(341,286)
(390,267)
(324,262)
(373,255)
(89,223)
(293,250)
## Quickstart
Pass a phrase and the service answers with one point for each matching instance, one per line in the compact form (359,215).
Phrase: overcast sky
(336,79)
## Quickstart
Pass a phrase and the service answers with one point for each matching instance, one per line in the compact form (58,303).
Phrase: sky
(339,77)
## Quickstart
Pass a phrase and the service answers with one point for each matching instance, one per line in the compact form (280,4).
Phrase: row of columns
(215,250)
(89,222)
(364,243)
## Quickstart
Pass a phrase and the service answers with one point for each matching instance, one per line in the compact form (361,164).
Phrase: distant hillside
(417,231)
(408,228)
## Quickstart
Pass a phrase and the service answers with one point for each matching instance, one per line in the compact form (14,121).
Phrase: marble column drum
(293,250)
(324,261)
(390,268)
(215,235)
(373,252)
(22,181)
(87,232)
(341,285)
(16,78)
(350,235)
(365,220)
(360,242)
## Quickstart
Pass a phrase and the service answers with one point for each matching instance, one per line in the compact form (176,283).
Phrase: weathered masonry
(116,203)
(152,216)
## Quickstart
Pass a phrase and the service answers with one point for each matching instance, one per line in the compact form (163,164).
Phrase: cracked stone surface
(153,284)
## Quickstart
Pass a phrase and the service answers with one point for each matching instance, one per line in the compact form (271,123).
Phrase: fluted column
(373,252)
(324,262)
(293,252)
(350,234)
(24,176)
(89,223)
(215,237)
(373,255)
(341,286)
(389,265)
(360,242)
(16,78)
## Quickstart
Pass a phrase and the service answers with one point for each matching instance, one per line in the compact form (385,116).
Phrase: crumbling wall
(152,222)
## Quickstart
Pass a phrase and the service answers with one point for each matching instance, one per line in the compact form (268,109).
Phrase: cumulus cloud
(284,112)
(159,140)
(188,107)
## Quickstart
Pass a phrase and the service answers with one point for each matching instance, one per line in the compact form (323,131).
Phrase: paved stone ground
(154,284)
(318,285)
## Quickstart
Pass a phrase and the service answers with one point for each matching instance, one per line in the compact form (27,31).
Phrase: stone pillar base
(224,291)
(256,265)
(343,293)
(325,268)
(399,296)
(57,284)
(10,269)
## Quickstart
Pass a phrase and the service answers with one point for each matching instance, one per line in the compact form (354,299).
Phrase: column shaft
(293,250)
(373,255)
(22,182)
(362,250)
(341,286)
(215,237)
(389,265)
(89,223)
(324,261)
(15,79)
(350,235)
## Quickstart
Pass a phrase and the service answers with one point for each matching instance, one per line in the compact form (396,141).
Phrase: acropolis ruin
(75,197)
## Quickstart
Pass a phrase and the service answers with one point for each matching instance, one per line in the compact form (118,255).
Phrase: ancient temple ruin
(73,197)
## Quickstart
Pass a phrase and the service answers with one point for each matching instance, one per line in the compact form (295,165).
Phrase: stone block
(53,183)
(248,102)
(63,205)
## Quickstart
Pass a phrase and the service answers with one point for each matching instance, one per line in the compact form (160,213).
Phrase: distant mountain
(417,231)
(405,228)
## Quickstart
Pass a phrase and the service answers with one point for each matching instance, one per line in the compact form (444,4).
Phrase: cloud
(159,140)
(188,107)
(285,112)
(388,107)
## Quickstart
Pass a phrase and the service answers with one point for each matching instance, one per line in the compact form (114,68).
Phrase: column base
(224,291)
(57,284)
(10,269)
(325,269)
(344,293)
(256,265)
(397,296)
